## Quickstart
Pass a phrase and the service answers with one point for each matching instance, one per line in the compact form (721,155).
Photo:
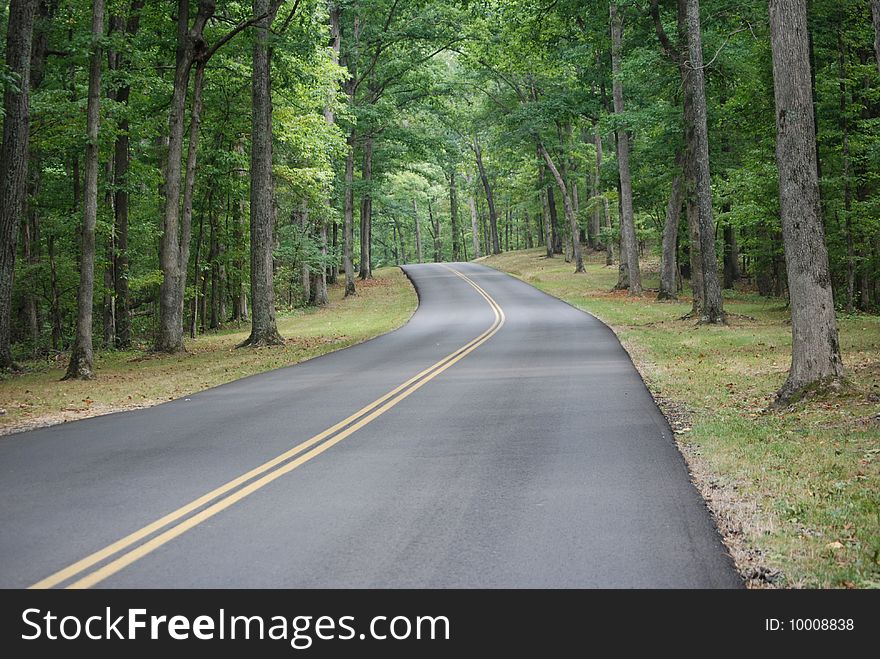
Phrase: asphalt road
(531,457)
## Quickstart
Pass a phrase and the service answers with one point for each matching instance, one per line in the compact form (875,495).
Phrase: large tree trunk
(419,254)
(472,206)
(629,246)
(815,359)
(81,366)
(490,199)
(14,157)
(569,210)
(453,216)
(668,259)
(366,266)
(713,305)
(263,328)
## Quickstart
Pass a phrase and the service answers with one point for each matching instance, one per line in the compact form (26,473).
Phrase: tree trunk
(816,360)
(569,210)
(263,328)
(81,367)
(731,257)
(121,159)
(629,245)
(239,293)
(875,14)
(435,226)
(170,338)
(348,218)
(669,260)
(14,157)
(305,270)
(453,216)
(366,266)
(419,254)
(472,206)
(490,199)
(713,305)
(595,191)
(321,297)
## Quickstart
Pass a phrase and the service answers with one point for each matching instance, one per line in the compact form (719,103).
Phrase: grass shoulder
(137,378)
(793,491)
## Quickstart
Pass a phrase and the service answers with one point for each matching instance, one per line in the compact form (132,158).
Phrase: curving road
(500,439)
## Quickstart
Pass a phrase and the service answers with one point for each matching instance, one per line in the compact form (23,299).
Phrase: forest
(173,168)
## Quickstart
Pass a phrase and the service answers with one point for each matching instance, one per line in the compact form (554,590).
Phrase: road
(500,439)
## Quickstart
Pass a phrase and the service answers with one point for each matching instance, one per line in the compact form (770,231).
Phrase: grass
(130,379)
(795,493)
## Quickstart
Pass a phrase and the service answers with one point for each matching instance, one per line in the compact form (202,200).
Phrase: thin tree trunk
(629,245)
(239,294)
(875,14)
(435,226)
(366,266)
(81,357)
(419,254)
(348,218)
(321,297)
(121,159)
(472,206)
(263,327)
(545,209)
(453,216)
(595,183)
(490,199)
(816,360)
(669,260)
(14,155)
(305,270)
(569,210)
(713,305)
(731,256)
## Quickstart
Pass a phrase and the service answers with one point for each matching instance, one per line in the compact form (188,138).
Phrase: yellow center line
(361,418)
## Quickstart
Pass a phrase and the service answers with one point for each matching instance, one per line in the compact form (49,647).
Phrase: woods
(174,168)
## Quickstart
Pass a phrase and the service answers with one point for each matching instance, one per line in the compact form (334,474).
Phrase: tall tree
(263,327)
(490,197)
(875,14)
(472,206)
(815,357)
(713,303)
(121,159)
(629,244)
(14,156)
(669,245)
(81,357)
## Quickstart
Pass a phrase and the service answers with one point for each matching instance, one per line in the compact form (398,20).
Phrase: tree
(81,356)
(14,156)
(629,245)
(490,198)
(263,327)
(669,246)
(713,304)
(815,359)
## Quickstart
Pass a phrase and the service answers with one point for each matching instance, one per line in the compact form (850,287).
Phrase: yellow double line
(180,521)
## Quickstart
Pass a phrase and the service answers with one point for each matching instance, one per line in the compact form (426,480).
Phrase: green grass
(132,379)
(795,491)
